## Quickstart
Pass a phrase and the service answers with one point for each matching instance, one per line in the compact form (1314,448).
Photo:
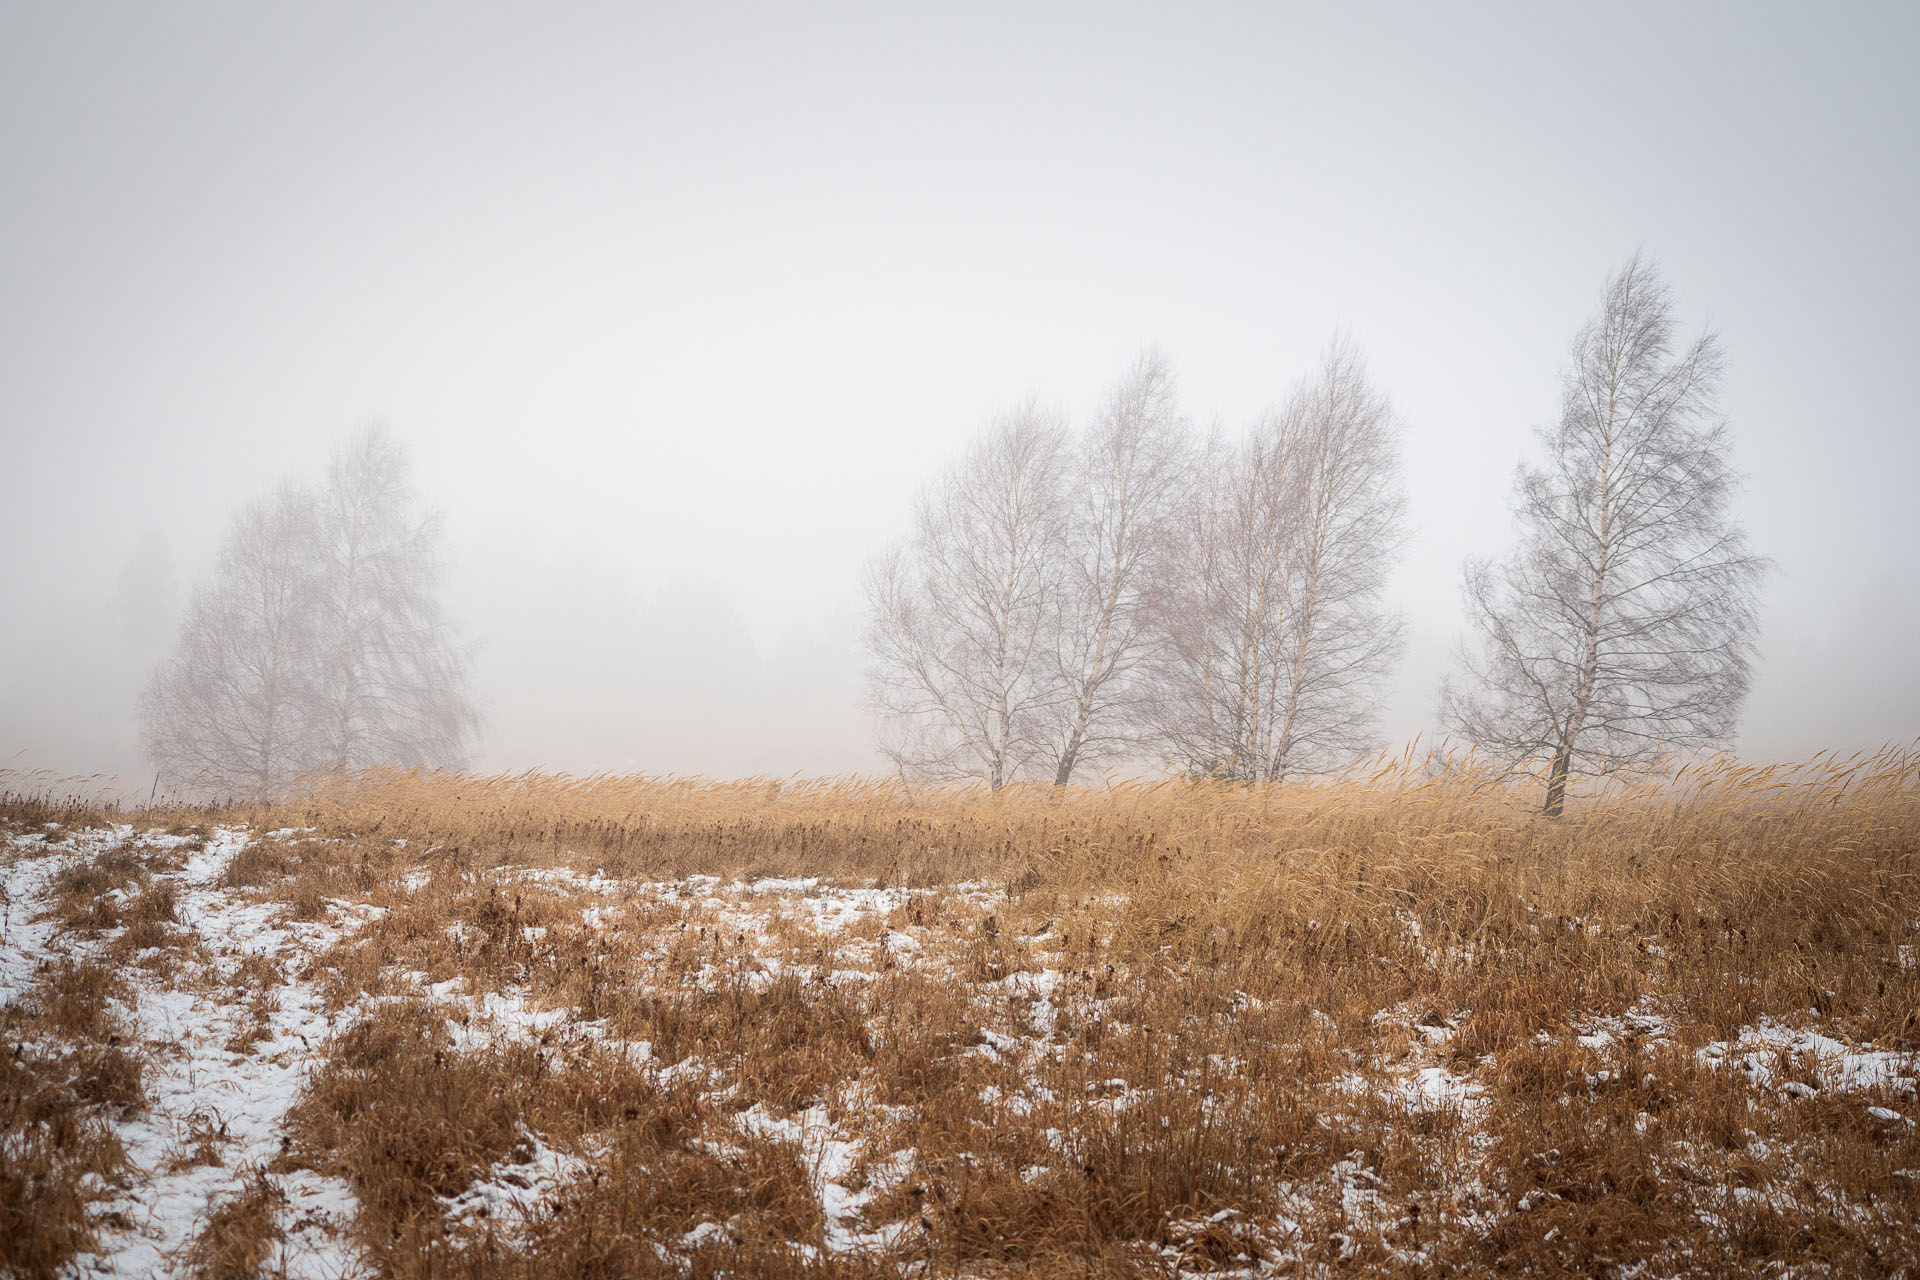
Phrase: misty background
(676,310)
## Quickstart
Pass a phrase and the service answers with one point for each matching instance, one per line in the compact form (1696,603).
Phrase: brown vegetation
(66,1071)
(1392,1026)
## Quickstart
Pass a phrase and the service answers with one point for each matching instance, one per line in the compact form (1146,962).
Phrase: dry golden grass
(238,1239)
(1383,1026)
(66,1069)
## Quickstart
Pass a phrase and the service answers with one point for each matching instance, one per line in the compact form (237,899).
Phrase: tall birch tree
(393,682)
(233,707)
(319,640)
(1126,477)
(1622,626)
(962,614)
(1273,638)
(1340,640)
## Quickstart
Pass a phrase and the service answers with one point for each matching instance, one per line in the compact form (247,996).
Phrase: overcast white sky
(675,307)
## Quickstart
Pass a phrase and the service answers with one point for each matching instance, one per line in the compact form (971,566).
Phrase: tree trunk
(1557,780)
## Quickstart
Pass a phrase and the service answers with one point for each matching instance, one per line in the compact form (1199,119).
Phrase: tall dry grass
(1246,979)
(1820,854)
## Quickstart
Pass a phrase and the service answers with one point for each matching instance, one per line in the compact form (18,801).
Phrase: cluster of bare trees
(1128,592)
(1116,590)
(318,641)
(1069,599)
(1621,627)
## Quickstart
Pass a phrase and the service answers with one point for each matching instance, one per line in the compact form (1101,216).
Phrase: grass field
(530,1026)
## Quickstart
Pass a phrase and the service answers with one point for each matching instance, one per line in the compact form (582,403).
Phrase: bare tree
(232,708)
(1218,607)
(1621,628)
(1272,638)
(1125,483)
(962,614)
(1339,441)
(319,640)
(393,687)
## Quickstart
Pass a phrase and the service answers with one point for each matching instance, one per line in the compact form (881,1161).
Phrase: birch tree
(393,686)
(1621,628)
(962,614)
(319,640)
(1273,639)
(232,708)
(1126,478)
(1218,609)
(1340,641)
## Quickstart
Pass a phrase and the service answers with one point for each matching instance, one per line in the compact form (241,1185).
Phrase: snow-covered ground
(199,1091)
(1833,1064)
(219,1084)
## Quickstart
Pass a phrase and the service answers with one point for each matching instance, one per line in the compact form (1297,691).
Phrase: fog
(675,309)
